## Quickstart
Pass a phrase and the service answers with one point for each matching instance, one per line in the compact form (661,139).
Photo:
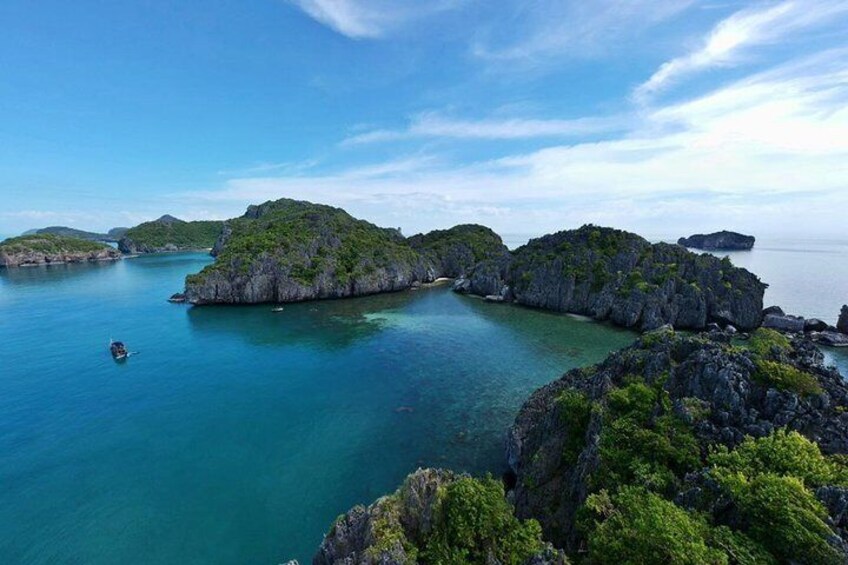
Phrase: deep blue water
(237,435)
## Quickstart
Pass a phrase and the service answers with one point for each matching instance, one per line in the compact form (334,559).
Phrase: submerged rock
(719,241)
(614,275)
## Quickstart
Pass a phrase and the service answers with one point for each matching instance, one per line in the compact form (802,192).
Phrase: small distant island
(112,236)
(170,234)
(719,241)
(49,249)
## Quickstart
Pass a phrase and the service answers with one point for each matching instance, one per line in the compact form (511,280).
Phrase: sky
(664,117)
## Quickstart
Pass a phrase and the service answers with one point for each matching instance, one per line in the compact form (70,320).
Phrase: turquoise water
(237,435)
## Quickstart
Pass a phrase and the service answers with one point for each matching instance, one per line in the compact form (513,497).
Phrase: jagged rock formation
(289,251)
(842,324)
(817,330)
(719,241)
(170,234)
(648,416)
(456,251)
(411,526)
(611,274)
(47,249)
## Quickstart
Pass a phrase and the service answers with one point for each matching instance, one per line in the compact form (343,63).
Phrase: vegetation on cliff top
(308,239)
(170,231)
(482,242)
(49,244)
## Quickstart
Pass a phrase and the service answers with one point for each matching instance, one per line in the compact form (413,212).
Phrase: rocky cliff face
(611,274)
(649,414)
(169,234)
(410,527)
(719,241)
(289,251)
(456,251)
(47,249)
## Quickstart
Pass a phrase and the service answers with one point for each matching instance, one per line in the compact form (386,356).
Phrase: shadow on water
(328,324)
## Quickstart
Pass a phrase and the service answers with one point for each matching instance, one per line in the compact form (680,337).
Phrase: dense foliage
(309,240)
(183,235)
(770,349)
(475,524)
(49,244)
(475,243)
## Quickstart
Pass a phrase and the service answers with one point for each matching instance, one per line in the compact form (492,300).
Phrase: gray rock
(842,324)
(815,325)
(830,338)
(786,323)
(777,310)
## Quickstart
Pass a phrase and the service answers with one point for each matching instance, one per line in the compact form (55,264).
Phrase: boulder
(842,324)
(777,310)
(815,325)
(830,338)
(786,323)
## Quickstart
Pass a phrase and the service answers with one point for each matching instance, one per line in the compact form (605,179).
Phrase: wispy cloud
(434,124)
(370,19)
(764,24)
(758,152)
(570,27)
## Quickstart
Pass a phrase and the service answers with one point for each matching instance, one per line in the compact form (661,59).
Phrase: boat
(118,350)
(277,309)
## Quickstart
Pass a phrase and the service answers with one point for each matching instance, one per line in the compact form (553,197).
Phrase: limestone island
(112,236)
(49,249)
(719,241)
(614,275)
(170,234)
(291,251)
(679,449)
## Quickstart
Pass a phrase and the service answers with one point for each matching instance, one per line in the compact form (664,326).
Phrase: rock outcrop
(404,527)
(577,435)
(614,275)
(49,249)
(170,234)
(719,241)
(456,251)
(842,324)
(290,251)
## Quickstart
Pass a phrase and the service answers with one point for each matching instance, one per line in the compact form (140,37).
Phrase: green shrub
(739,548)
(783,376)
(643,442)
(765,342)
(782,453)
(639,527)
(784,517)
(475,524)
(575,411)
(49,243)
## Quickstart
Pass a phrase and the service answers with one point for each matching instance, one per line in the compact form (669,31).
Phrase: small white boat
(277,309)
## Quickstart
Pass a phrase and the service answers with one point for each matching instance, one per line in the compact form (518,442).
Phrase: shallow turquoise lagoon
(237,435)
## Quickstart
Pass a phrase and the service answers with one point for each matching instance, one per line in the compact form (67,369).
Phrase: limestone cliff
(47,249)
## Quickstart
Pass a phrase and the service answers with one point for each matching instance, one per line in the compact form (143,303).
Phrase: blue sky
(659,116)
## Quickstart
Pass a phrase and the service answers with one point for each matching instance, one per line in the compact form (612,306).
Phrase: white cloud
(433,124)
(570,27)
(767,152)
(369,19)
(764,24)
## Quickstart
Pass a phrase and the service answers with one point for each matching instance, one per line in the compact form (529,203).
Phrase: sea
(238,434)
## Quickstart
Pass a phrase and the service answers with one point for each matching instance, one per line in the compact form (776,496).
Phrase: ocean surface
(237,435)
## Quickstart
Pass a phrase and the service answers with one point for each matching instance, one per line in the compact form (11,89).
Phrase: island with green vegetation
(49,249)
(681,449)
(614,275)
(112,236)
(290,251)
(170,234)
